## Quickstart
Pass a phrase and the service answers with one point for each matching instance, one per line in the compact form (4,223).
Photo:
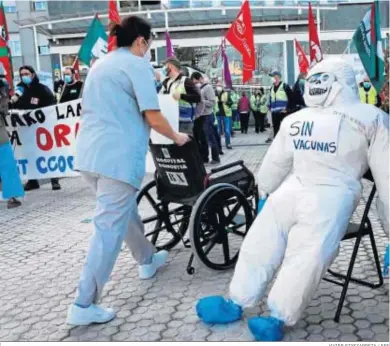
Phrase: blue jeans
(212,137)
(226,123)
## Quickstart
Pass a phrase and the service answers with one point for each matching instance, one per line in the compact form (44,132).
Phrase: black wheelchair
(217,207)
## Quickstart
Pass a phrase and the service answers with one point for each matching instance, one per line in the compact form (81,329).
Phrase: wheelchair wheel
(219,222)
(165,223)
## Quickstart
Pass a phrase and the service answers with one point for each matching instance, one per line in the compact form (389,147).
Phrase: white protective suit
(312,172)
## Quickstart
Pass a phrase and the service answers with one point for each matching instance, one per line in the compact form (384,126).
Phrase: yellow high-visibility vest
(369,96)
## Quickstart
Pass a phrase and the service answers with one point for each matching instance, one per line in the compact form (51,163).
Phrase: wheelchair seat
(238,178)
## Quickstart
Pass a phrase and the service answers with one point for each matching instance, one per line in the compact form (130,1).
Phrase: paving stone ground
(43,245)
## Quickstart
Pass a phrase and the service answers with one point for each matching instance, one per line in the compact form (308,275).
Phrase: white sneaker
(147,271)
(78,316)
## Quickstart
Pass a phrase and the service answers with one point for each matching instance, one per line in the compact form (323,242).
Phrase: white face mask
(198,85)
(147,55)
(219,89)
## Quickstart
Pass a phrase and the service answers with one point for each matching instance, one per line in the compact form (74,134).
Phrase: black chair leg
(347,280)
(377,265)
(377,262)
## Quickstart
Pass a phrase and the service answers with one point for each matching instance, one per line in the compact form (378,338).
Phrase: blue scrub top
(114,135)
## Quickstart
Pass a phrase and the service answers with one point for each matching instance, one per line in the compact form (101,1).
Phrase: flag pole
(318,21)
(347,48)
(38,63)
(166,20)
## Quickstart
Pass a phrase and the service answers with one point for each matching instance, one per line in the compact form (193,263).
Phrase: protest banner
(44,140)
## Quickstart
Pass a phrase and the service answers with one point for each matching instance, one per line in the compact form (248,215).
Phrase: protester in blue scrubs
(120,105)
(11,184)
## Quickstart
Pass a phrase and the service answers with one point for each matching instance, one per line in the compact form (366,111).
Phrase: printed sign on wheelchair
(177,178)
(180,170)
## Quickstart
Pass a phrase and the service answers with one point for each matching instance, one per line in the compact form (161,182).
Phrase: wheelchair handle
(229,165)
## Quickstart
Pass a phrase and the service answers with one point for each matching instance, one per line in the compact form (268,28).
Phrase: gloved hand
(263,197)
(261,204)
(386,263)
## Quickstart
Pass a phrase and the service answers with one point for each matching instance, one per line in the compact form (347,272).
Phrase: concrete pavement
(43,245)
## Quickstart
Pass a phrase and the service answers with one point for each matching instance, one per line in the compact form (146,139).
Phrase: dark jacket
(4,92)
(298,101)
(71,92)
(36,95)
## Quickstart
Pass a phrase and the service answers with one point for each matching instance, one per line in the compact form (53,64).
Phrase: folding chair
(358,231)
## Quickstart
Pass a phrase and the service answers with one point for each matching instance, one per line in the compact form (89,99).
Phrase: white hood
(331,82)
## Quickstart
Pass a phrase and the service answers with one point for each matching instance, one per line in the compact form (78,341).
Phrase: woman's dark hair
(28,68)
(196,75)
(31,69)
(262,90)
(130,29)
(71,69)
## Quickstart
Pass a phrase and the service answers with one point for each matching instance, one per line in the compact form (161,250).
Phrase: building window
(14,44)
(153,55)
(10,6)
(44,50)
(43,44)
(39,5)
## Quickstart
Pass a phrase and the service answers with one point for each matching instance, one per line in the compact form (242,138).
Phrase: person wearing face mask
(10,182)
(183,90)
(368,93)
(312,173)
(223,111)
(72,89)
(255,107)
(298,92)
(120,106)
(206,119)
(34,95)
(58,87)
(281,100)
(157,81)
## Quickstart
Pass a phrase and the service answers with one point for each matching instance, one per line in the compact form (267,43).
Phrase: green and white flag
(368,42)
(95,43)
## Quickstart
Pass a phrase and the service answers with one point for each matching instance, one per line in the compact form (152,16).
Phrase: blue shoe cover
(266,328)
(218,310)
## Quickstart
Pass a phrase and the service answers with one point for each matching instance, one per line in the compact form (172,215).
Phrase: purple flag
(170,51)
(226,71)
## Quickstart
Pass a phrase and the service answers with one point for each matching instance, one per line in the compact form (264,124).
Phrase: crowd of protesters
(29,94)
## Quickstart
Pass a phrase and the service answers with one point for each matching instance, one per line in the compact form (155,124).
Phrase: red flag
(240,35)
(113,18)
(5,54)
(315,45)
(76,67)
(302,59)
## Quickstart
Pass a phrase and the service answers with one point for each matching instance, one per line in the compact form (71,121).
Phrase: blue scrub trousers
(116,219)
(10,180)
